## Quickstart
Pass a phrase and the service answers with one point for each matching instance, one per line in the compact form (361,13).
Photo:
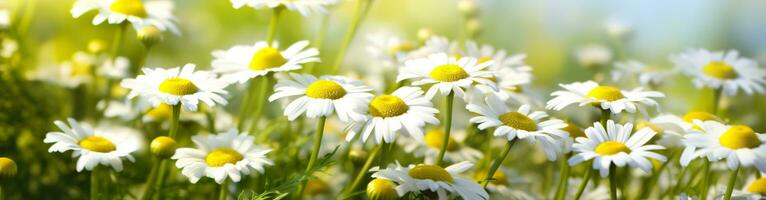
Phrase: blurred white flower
(593,55)
(431,145)
(739,145)
(305,7)
(722,70)
(645,74)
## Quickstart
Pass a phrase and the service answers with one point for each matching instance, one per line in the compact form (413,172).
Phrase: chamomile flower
(241,63)
(432,143)
(613,144)
(506,184)
(405,110)
(739,145)
(510,71)
(755,190)
(305,7)
(723,70)
(8,47)
(108,146)
(645,74)
(390,50)
(574,132)
(604,97)
(433,178)
(115,68)
(157,13)
(447,74)
(520,124)
(593,56)
(228,154)
(177,85)
(322,96)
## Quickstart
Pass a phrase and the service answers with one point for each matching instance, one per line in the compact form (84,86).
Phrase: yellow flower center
(605,93)
(160,113)
(654,127)
(611,148)
(316,187)
(178,86)
(129,7)
(758,186)
(8,168)
(574,131)
(80,69)
(499,178)
(431,172)
(435,139)
(484,59)
(700,115)
(720,70)
(266,58)
(387,106)
(402,47)
(381,189)
(448,73)
(222,156)
(518,121)
(739,136)
(97,144)
(325,89)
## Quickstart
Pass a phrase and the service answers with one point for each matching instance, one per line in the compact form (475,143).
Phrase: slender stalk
(160,178)
(261,96)
(224,192)
(705,180)
(174,120)
(2,192)
(612,182)
(561,190)
(362,172)
(152,180)
(680,179)
(447,126)
(586,177)
(361,10)
(497,164)
(730,186)
(319,40)
(210,121)
(245,105)
(717,100)
(382,158)
(272,30)
(605,115)
(119,36)
(94,185)
(314,150)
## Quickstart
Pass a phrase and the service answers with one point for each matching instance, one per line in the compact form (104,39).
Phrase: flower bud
(163,147)
(358,156)
(473,26)
(381,189)
(7,168)
(149,36)
(425,33)
(96,46)
(468,7)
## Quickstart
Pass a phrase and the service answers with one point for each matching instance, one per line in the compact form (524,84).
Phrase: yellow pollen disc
(700,115)
(97,144)
(654,127)
(432,172)
(387,106)
(265,58)
(381,189)
(484,59)
(574,131)
(316,187)
(448,73)
(720,70)
(739,136)
(222,156)
(435,139)
(129,7)
(611,148)
(605,93)
(499,178)
(402,47)
(518,121)
(160,113)
(325,89)
(178,86)
(8,168)
(758,186)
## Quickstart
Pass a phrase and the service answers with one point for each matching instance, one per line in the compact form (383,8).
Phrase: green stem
(94,185)
(245,105)
(174,120)
(497,164)
(612,182)
(2,193)
(260,102)
(447,126)
(730,186)
(361,9)
(224,193)
(160,178)
(561,190)
(151,181)
(586,177)
(319,40)
(680,179)
(605,115)
(717,100)
(705,180)
(272,29)
(210,121)
(141,62)
(363,171)
(314,150)
(382,158)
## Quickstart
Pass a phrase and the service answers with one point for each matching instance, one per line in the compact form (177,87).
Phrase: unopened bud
(163,147)
(149,35)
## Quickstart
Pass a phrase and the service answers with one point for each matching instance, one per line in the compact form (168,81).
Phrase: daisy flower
(510,71)
(177,85)
(755,190)
(722,70)
(738,144)
(322,96)
(405,110)
(593,56)
(241,63)
(604,97)
(520,124)
(389,50)
(432,178)
(157,13)
(228,154)
(614,144)
(447,74)
(108,146)
(430,145)
(645,74)
(305,7)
